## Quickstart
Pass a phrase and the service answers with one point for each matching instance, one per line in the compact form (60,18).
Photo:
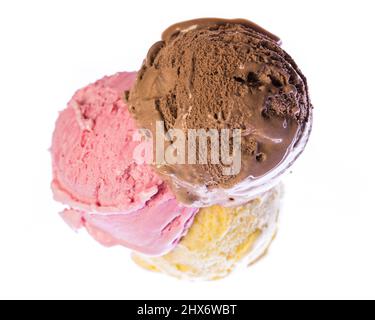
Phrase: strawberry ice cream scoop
(118,200)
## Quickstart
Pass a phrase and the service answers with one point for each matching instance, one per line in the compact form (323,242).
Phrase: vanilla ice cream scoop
(221,240)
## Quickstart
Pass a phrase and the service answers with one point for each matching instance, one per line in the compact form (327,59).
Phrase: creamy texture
(153,230)
(94,172)
(221,240)
(225,74)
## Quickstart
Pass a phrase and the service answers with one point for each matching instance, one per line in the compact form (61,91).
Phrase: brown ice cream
(224,74)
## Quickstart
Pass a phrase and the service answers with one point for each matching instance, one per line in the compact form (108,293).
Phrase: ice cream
(97,176)
(228,78)
(221,239)
(224,74)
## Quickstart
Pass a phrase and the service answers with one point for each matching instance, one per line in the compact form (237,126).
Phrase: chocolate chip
(126,95)
(260,157)
(240,80)
(275,82)
(252,78)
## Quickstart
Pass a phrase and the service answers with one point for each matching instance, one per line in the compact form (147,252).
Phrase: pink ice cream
(117,200)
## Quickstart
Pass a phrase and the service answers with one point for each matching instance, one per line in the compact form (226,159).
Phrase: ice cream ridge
(216,207)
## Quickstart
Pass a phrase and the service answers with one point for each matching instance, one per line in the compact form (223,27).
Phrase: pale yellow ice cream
(220,239)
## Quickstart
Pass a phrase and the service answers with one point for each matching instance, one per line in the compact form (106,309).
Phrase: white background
(325,246)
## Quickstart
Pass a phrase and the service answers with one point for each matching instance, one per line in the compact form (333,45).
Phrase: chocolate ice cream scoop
(216,74)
